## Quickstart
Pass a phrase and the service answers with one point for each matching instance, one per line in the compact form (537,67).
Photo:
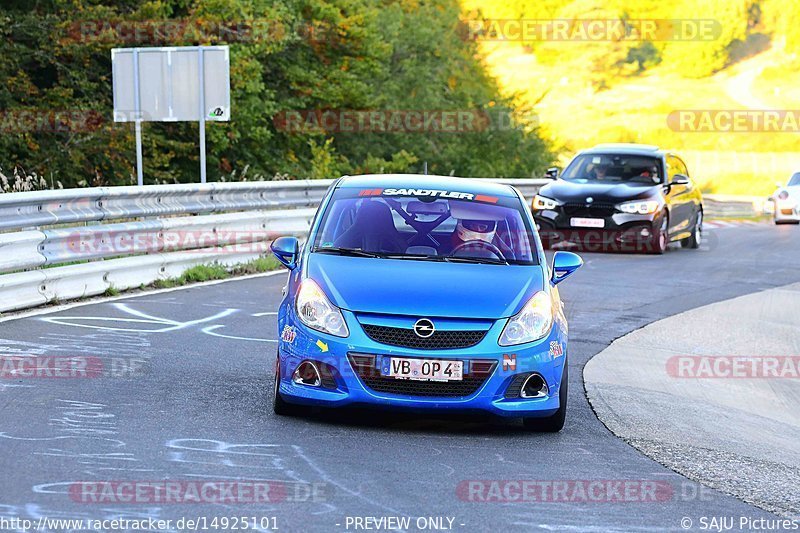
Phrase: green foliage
(701,58)
(111,291)
(215,271)
(604,60)
(644,56)
(295,55)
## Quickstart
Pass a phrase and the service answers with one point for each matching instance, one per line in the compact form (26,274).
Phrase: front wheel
(279,405)
(553,423)
(660,237)
(696,239)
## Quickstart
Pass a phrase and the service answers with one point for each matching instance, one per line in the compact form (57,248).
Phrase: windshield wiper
(477,260)
(346,251)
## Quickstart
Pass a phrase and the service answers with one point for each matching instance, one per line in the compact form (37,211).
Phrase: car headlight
(543,202)
(639,208)
(317,312)
(783,195)
(530,324)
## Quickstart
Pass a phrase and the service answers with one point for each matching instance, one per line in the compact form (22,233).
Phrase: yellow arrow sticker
(322,346)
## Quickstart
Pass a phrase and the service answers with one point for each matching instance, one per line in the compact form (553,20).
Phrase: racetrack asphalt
(199,409)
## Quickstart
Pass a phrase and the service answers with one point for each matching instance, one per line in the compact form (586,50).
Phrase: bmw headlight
(543,202)
(530,324)
(317,312)
(639,208)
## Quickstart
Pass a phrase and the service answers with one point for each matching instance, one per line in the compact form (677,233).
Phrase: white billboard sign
(171,84)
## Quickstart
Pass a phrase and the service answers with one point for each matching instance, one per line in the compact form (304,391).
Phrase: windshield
(795,180)
(614,168)
(426,225)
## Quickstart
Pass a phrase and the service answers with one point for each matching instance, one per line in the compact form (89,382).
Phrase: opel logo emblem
(424,328)
(589,200)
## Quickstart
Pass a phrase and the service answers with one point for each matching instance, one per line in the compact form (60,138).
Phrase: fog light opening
(308,374)
(534,387)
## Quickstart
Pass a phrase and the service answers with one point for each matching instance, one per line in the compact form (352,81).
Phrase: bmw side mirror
(287,250)
(680,179)
(564,264)
(551,173)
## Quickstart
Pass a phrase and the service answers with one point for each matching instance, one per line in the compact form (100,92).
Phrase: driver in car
(600,171)
(478,238)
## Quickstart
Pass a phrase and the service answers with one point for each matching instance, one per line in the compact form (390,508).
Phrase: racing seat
(373,230)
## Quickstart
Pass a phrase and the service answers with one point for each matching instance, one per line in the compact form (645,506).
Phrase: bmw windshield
(614,168)
(426,225)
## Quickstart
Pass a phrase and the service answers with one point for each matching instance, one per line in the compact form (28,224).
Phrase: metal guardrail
(43,208)
(124,237)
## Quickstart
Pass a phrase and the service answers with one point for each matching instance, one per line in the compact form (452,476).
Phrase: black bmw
(621,197)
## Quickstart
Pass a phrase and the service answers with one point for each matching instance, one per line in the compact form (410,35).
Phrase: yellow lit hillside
(586,91)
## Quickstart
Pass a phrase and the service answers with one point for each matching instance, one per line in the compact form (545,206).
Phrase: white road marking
(210,330)
(144,318)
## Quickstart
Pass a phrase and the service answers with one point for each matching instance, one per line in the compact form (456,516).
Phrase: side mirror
(551,173)
(564,264)
(286,249)
(679,179)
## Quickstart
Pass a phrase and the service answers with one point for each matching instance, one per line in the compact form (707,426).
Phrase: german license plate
(424,369)
(587,222)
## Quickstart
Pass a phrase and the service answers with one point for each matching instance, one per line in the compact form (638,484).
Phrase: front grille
(364,366)
(581,210)
(440,340)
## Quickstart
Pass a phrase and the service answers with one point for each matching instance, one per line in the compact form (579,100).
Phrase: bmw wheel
(661,236)
(696,238)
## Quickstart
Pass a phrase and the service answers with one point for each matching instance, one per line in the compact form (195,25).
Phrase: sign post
(171,84)
(138,119)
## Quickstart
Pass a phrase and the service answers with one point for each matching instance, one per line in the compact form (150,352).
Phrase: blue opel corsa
(423,293)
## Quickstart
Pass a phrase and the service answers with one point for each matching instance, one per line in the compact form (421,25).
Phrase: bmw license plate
(587,222)
(423,369)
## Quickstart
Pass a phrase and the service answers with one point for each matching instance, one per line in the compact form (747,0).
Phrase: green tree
(286,55)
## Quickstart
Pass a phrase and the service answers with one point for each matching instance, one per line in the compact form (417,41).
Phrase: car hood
(424,288)
(608,192)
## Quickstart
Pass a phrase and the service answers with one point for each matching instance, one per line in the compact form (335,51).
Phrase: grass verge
(215,271)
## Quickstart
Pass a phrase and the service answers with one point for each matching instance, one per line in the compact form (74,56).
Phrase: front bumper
(489,373)
(786,211)
(619,232)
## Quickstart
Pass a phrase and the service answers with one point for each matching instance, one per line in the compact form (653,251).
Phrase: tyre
(279,405)
(696,239)
(553,423)
(658,245)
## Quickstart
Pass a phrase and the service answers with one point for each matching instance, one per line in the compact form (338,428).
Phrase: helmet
(476,230)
